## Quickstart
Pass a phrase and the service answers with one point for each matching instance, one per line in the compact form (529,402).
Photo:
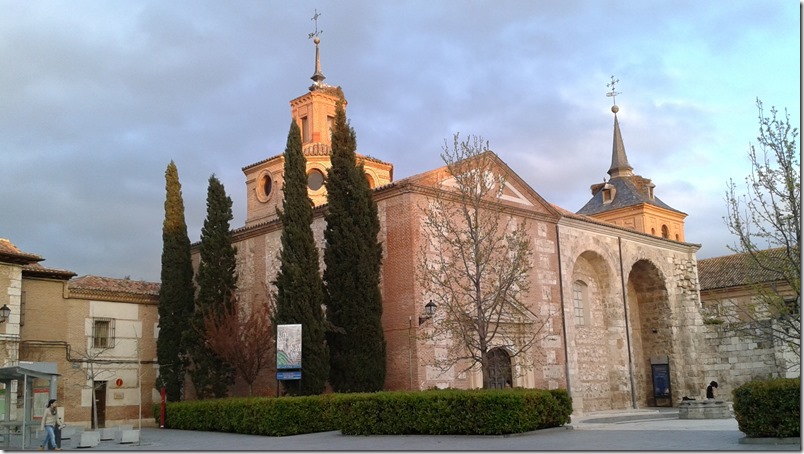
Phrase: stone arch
(500,372)
(650,320)
(600,354)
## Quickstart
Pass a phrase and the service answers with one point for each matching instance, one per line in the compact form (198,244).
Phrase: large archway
(650,326)
(594,319)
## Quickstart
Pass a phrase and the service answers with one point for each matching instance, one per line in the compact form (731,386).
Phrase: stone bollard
(703,409)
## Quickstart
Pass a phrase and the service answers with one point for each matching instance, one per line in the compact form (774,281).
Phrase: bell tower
(314,113)
(628,200)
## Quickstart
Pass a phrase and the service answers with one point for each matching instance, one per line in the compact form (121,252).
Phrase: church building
(614,286)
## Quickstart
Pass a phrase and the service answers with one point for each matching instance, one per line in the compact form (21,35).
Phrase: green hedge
(472,412)
(467,412)
(279,416)
(769,408)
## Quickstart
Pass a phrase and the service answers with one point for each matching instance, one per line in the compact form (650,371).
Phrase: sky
(97,97)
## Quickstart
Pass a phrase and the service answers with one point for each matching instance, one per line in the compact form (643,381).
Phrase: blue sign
(288,375)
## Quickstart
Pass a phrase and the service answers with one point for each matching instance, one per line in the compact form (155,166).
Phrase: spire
(619,160)
(318,77)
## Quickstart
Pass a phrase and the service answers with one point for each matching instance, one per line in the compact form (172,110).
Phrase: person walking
(50,419)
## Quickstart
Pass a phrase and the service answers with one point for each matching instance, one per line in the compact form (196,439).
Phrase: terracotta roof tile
(108,284)
(12,254)
(737,270)
(35,269)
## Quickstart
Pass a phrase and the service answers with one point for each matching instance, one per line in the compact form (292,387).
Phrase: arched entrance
(499,368)
(650,320)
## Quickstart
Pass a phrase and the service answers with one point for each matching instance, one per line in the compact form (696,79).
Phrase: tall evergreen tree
(217,281)
(352,260)
(176,291)
(300,291)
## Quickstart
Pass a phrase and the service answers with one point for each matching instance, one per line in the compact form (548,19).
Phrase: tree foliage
(176,290)
(475,263)
(300,290)
(766,219)
(244,338)
(352,258)
(217,281)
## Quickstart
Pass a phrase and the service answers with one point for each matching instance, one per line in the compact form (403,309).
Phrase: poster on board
(40,398)
(288,346)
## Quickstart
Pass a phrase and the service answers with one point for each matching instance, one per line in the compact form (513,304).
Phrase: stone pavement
(634,430)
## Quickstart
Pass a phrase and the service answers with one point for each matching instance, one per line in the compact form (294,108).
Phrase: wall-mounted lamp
(429,310)
(5,313)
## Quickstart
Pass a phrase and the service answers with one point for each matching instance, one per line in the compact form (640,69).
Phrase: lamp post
(5,313)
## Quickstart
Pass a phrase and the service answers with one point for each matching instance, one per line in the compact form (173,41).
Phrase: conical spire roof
(318,77)
(619,160)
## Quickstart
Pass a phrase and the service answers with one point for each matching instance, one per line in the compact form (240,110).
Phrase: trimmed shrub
(769,408)
(436,412)
(279,416)
(456,412)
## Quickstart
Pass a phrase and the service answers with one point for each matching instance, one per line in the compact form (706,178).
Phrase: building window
(305,129)
(267,185)
(665,232)
(103,333)
(330,124)
(315,179)
(579,296)
(370,181)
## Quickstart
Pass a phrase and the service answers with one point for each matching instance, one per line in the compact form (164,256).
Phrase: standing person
(710,390)
(49,421)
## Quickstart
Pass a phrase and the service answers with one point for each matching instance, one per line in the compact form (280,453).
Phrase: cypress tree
(352,260)
(300,291)
(217,281)
(176,290)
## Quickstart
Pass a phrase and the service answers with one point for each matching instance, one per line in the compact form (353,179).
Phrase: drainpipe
(563,313)
(627,329)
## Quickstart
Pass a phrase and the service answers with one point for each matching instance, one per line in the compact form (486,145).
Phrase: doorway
(499,368)
(100,404)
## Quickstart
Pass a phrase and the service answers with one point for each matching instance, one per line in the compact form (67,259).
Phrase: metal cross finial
(317,31)
(613,94)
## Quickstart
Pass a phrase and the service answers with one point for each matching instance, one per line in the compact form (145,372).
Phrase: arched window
(580,292)
(665,232)
(370,181)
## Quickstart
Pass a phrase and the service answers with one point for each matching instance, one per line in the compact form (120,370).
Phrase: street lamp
(429,311)
(5,313)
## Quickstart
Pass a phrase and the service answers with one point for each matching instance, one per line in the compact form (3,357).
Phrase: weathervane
(317,31)
(613,94)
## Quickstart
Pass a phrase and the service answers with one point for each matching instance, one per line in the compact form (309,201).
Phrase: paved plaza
(645,430)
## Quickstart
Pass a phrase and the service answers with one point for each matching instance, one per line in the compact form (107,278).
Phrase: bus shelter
(18,427)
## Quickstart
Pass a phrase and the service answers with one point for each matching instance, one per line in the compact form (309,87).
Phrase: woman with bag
(50,419)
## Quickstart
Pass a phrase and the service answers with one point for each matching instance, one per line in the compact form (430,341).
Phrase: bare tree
(243,337)
(475,262)
(766,219)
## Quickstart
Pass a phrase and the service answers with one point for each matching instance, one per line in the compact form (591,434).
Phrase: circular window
(315,179)
(267,184)
(264,187)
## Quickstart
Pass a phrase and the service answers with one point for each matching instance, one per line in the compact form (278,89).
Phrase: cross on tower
(317,31)
(613,94)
